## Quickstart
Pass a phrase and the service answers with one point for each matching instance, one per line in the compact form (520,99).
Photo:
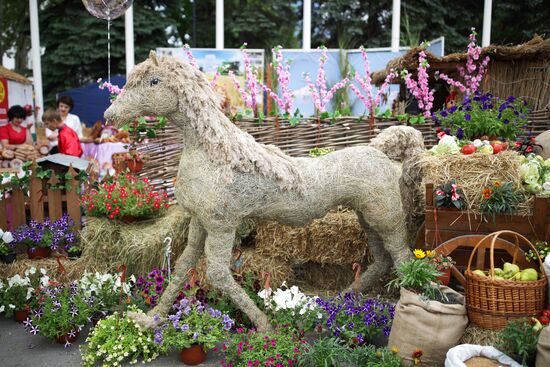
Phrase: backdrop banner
(3,101)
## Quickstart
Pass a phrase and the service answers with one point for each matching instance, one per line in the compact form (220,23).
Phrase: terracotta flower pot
(445,279)
(21,315)
(9,258)
(39,253)
(135,166)
(62,339)
(193,355)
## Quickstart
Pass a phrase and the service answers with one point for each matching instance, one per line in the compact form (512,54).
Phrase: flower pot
(74,254)
(9,258)
(62,339)
(39,253)
(135,166)
(193,355)
(21,315)
(445,279)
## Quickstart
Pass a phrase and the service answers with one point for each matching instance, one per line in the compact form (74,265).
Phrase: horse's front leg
(188,259)
(218,250)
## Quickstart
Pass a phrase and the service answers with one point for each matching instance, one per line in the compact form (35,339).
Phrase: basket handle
(494,236)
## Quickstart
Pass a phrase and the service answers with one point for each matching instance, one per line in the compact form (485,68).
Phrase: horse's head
(160,87)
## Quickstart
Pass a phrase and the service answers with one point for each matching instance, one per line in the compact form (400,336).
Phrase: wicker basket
(119,162)
(492,302)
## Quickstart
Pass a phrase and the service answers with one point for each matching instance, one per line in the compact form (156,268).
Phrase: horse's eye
(154,81)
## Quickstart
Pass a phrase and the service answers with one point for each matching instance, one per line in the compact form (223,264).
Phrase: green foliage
(449,196)
(325,352)
(418,276)
(317,152)
(369,356)
(519,339)
(115,341)
(500,198)
(542,248)
(411,119)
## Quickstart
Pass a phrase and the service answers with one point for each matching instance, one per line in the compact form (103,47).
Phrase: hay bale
(253,261)
(107,244)
(473,172)
(338,238)
(324,277)
(73,268)
(479,336)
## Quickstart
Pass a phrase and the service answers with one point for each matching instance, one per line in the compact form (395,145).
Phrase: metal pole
(306,30)
(194,7)
(36,63)
(219,24)
(395,25)
(487,10)
(129,39)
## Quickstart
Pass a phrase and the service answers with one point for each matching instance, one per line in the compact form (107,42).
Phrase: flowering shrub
(535,174)
(151,286)
(193,323)
(125,196)
(420,89)
(114,341)
(61,310)
(19,293)
(500,198)
(283,78)
(356,319)
(449,196)
(48,234)
(484,115)
(290,307)
(278,349)
(251,92)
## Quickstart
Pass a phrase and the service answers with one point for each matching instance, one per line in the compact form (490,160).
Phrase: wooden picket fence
(42,201)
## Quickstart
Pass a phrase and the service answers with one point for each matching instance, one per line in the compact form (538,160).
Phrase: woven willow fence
(164,152)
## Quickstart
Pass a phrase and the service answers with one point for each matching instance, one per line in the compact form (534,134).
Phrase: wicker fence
(42,201)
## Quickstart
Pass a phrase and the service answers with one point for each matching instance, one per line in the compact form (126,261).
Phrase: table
(102,154)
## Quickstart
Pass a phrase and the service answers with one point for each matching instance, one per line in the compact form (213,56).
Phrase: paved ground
(18,348)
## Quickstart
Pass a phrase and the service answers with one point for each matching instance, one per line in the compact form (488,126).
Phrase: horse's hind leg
(218,250)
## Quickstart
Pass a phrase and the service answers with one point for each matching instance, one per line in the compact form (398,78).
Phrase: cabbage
(447,145)
(529,171)
(532,187)
(546,177)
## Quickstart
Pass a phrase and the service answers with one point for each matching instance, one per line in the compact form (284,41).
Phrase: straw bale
(338,238)
(324,277)
(252,261)
(476,335)
(73,268)
(473,172)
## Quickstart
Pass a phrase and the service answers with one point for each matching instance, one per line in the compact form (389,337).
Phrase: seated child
(68,142)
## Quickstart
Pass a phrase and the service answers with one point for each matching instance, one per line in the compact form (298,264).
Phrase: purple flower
(71,334)
(38,313)
(159,279)
(158,337)
(34,330)
(444,113)
(185,327)
(510,99)
(195,335)
(27,323)
(158,288)
(452,109)
(467,117)
(156,317)
(227,322)
(460,133)
(73,311)
(67,344)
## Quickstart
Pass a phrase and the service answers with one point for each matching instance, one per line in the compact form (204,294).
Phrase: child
(68,142)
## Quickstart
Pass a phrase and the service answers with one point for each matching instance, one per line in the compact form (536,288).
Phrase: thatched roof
(536,49)
(12,75)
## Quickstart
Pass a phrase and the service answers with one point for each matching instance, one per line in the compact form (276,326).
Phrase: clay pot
(9,258)
(21,315)
(39,253)
(193,355)
(135,166)
(62,339)
(445,279)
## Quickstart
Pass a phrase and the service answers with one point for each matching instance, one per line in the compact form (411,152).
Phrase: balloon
(107,9)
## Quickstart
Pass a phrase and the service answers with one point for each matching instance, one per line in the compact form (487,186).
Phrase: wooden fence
(16,208)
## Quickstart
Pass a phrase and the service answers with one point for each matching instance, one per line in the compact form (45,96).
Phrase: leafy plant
(256,349)
(48,234)
(519,339)
(61,310)
(355,318)
(193,323)
(143,128)
(484,115)
(115,340)
(106,288)
(125,195)
(317,152)
(325,352)
(526,145)
(370,356)
(500,198)
(542,248)
(416,275)
(449,195)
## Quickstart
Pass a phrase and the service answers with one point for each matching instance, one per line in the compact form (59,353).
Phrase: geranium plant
(116,340)
(252,348)
(500,198)
(193,323)
(125,195)
(449,195)
(62,311)
(48,234)
(355,318)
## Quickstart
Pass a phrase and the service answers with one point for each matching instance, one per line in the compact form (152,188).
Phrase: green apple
(510,270)
(498,271)
(517,276)
(498,277)
(529,275)
(479,272)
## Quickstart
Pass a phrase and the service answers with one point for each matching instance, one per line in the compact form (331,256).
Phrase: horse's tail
(406,144)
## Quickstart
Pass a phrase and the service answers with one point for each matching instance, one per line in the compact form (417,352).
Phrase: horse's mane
(224,142)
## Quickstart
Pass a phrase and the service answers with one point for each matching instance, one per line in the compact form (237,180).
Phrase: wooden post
(19,217)
(73,201)
(429,195)
(36,195)
(55,209)
(3,211)
(540,214)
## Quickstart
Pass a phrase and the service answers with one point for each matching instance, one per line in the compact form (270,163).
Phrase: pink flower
(455,197)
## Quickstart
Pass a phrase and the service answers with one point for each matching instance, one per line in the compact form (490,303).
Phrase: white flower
(29,292)
(546,185)
(477,143)
(7,237)
(44,281)
(2,308)
(43,271)
(11,306)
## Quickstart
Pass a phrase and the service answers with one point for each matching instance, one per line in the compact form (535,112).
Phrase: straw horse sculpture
(225,176)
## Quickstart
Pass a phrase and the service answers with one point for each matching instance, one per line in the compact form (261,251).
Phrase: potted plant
(193,329)
(442,263)
(7,245)
(41,238)
(500,198)
(74,251)
(135,161)
(125,197)
(519,340)
(428,316)
(18,295)
(449,195)
(61,313)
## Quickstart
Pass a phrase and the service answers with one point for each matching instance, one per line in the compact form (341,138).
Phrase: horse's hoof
(142,320)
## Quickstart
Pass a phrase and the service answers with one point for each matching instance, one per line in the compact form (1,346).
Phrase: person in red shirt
(13,133)
(68,142)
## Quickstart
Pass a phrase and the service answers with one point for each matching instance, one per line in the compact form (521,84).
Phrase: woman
(13,134)
(65,105)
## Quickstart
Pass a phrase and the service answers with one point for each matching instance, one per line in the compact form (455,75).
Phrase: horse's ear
(153,57)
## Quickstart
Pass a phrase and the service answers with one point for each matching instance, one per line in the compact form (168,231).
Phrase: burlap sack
(431,326)
(543,348)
